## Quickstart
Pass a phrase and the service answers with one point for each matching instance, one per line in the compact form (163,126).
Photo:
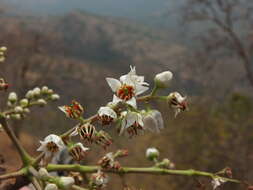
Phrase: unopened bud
(29,94)
(24,102)
(152,154)
(18,109)
(41,102)
(13,97)
(26,110)
(43,173)
(16,116)
(50,91)
(51,186)
(44,90)
(67,182)
(55,97)
(163,79)
(3,48)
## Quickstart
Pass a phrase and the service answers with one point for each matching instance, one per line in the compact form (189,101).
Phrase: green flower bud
(51,186)
(18,109)
(152,154)
(13,97)
(162,80)
(29,94)
(44,90)
(41,102)
(55,97)
(24,102)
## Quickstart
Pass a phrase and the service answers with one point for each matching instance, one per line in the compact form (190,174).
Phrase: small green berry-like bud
(24,102)
(152,154)
(55,97)
(18,109)
(13,97)
(43,173)
(42,102)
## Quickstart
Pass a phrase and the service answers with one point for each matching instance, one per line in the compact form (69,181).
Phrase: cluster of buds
(108,161)
(55,183)
(98,180)
(3,84)
(33,97)
(75,110)
(2,53)
(152,154)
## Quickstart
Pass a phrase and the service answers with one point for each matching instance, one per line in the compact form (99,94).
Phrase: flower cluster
(3,49)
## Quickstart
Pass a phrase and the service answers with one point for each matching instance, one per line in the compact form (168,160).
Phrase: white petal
(75,132)
(132,102)
(107,111)
(140,89)
(131,118)
(159,119)
(116,99)
(113,83)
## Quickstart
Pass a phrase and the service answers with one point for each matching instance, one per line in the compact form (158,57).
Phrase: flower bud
(51,186)
(36,91)
(29,94)
(41,102)
(24,102)
(163,79)
(18,109)
(50,91)
(67,182)
(43,173)
(44,90)
(16,116)
(13,97)
(3,48)
(26,110)
(152,154)
(55,97)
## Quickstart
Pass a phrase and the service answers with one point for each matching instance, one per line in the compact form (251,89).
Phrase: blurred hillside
(74,53)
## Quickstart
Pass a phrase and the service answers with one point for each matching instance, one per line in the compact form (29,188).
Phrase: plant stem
(12,175)
(127,170)
(22,152)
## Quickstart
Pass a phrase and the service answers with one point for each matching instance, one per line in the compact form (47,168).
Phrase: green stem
(22,152)
(12,175)
(127,170)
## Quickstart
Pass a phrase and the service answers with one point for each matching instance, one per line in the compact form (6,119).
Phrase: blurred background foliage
(74,51)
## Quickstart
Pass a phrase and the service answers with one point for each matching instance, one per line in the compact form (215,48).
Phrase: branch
(22,152)
(127,170)
(12,175)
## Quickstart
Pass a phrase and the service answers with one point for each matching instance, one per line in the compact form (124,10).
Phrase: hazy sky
(128,8)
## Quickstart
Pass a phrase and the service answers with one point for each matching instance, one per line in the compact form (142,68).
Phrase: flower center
(105,119)
(133,129)
(52,147)
(125,92)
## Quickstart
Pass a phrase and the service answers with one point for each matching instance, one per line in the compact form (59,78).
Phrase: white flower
(153,121)
(51,186)
(163,79)
(152,153)
(177,102)
(216,182)
(127,88)
(106,115)
(132,122)
(51,145)
(13,97)
(67,182)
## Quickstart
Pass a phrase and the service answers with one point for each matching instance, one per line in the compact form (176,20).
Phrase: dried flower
(216,182)
(177,102)
(103,139)
(99,179)
(74,111)
(3,84)
(87,132)
(78,151)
